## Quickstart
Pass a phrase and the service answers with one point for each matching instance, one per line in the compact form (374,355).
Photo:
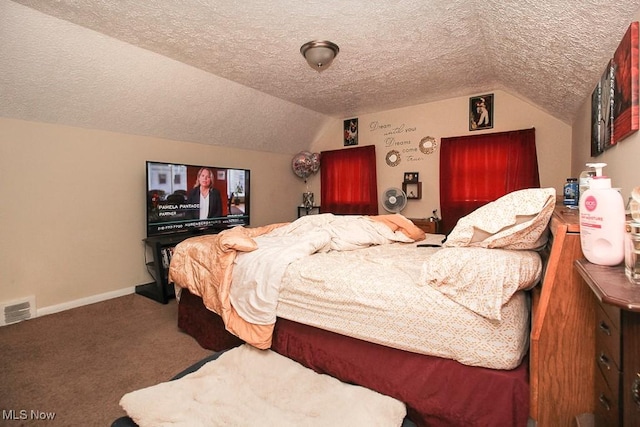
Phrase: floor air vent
(17,311)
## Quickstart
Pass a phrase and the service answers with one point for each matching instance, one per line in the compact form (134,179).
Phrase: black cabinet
(158,251)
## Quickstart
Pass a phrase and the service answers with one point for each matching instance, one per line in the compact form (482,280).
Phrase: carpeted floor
(77,364)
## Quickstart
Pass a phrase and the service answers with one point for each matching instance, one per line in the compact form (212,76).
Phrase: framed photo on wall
(606,107)
(351,132)
(625,85)
(481,112)
(597,124)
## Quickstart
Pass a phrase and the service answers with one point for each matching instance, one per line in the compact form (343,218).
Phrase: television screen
(194,198)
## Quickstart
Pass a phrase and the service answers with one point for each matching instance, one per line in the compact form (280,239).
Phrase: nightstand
(302,211)
(425,225)
(617,349)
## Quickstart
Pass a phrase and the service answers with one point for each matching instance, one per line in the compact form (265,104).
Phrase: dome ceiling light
(319,54)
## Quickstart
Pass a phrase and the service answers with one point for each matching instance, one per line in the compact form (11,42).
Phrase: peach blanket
(204,265)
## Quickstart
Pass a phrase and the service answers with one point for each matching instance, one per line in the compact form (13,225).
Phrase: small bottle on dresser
(571,194)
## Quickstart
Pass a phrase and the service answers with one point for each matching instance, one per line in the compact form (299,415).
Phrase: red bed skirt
(437,392)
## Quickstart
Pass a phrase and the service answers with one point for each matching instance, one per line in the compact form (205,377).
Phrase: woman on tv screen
(204,194)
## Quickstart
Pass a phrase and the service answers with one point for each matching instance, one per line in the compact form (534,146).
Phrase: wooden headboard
(562,333)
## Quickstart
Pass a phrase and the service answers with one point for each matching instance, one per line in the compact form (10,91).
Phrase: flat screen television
(195,198)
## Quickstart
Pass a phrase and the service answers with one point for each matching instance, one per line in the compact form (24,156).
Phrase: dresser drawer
(613,313)
(607,338)
(607,412)
(608,371)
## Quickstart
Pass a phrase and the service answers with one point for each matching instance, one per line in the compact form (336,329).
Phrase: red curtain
(348,182)
(478,169)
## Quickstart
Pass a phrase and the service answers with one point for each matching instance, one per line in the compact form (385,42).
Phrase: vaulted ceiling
(392,53)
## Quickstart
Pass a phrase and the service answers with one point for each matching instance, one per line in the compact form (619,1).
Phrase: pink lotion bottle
(602,221)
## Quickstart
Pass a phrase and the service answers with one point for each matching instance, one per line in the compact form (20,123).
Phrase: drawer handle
(635,390)
(604,360)
(604,402)
(604,328)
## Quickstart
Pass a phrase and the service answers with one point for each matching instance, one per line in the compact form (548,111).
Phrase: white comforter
(257,275)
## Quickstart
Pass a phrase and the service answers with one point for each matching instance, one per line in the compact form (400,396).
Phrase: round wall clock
(428,145)
(393,158)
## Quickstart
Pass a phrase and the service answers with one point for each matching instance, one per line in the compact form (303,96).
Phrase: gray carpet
(77,364)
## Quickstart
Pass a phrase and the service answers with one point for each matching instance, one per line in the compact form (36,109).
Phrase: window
(348,183)
(478,169)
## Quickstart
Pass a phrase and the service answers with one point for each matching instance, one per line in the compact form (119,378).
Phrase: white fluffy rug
(250,387)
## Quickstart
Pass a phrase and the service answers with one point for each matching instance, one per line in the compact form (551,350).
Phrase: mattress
(378,294)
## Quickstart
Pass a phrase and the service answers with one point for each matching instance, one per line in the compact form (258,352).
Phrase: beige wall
(407,126)
(75,221)
(73,199)
(622,159)
(72,216)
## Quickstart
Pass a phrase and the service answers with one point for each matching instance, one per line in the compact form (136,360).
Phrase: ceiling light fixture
(319,54)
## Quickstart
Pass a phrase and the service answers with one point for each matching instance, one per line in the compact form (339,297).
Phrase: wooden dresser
(562,334)
(616,355)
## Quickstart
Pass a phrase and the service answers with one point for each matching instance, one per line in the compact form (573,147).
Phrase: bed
(377,303)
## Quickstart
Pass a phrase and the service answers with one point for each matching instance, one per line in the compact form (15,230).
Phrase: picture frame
(221,175)
(351,132)
(625,86)
(481,112)
(410,177)
(597,124)
(606,107)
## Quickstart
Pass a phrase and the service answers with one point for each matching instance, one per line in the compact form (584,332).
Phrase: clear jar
(632,252)
(634,210)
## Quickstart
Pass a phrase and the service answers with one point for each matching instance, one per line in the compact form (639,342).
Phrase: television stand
(161,248)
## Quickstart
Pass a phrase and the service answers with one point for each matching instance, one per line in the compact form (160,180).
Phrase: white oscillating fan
(394,200)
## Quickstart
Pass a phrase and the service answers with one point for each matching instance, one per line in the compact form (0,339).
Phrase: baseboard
(84,301)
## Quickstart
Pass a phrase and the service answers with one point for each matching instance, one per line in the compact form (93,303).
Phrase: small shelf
(413,190)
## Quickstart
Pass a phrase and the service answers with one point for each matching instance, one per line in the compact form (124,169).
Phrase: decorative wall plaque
(393,158)
(428,145)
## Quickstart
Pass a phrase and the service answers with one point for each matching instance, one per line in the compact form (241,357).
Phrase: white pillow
(482,279)
(517,220)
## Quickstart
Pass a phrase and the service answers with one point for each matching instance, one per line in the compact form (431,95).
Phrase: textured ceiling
(392,53)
